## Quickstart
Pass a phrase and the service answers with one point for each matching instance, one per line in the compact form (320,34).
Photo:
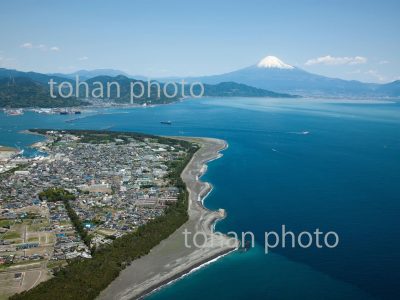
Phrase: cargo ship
(166,122)
(70,112)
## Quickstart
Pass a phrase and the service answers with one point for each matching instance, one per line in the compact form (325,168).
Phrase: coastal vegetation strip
(60,194)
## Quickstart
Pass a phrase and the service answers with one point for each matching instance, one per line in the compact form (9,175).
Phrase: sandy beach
(171,259)
(7,152)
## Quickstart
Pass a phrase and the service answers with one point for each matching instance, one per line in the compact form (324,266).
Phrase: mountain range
(270,77)
(273,74)
(31,89)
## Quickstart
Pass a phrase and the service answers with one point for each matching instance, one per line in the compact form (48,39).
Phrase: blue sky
(346,39)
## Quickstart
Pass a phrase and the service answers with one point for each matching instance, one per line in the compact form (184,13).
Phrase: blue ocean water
(343,176)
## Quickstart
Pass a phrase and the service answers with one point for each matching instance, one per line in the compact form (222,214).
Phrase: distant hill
(38,77)
(233,89)
(390,89)
(24,92)
(87,74)
(31,89)
(125,86)
(225,89)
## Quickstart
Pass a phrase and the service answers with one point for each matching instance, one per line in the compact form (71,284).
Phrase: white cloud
(42,47)
(83,58)
(332,60)
(376,75)
(27,45)
(383,62)
(381,78)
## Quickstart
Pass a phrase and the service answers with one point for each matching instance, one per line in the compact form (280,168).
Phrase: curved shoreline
(171,259)
(183,274)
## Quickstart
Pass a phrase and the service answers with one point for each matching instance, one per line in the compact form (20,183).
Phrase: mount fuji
(273,74)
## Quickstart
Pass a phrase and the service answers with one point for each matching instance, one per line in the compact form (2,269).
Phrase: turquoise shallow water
(342,176)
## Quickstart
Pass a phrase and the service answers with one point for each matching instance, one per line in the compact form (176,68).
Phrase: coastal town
(87,190)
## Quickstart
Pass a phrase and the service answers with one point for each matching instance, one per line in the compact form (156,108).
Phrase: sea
(303,163)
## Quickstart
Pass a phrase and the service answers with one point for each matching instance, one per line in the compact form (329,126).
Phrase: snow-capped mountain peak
(273,62)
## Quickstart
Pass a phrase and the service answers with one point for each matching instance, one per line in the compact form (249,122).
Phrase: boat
(166,122)
(14,112)
(246,247)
